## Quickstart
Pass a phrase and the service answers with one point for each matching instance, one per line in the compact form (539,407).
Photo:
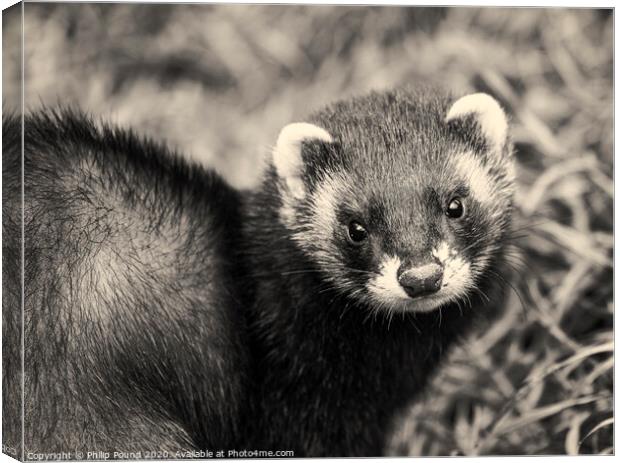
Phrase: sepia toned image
(290,231)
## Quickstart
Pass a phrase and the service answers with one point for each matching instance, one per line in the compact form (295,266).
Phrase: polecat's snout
(422,280)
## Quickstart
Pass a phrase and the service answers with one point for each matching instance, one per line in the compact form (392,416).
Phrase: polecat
(375,239)
(133,338)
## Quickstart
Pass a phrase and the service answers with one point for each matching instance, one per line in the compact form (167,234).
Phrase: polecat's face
(400,202)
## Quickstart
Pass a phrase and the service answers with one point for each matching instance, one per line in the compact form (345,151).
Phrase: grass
(218,82)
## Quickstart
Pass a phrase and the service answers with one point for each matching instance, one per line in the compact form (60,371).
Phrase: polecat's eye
(357,233)
(455,208)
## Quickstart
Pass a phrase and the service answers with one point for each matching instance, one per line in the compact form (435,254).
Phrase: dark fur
(332,374)
(133,336)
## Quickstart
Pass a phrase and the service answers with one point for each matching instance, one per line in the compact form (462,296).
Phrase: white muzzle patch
(457,277)
(386,292)
(385,286)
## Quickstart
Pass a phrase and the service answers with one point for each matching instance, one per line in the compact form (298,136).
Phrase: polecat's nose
(421,281)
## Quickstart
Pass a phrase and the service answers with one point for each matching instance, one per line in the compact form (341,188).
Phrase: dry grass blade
(554,173)
(599,370)
(602,424)
(604,182)
(607,347)
(578,243)
(572,436)
(511,425)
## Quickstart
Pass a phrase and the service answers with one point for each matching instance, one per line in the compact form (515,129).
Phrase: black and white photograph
(306,231)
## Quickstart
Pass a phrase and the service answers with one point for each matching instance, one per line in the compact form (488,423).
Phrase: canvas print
(288,231)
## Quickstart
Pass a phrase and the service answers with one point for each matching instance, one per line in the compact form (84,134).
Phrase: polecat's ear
(486,113)
(287,154)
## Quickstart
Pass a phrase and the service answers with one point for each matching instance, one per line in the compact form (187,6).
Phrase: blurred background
(218,82)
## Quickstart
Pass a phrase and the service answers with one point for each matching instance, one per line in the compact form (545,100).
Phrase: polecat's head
(401,200)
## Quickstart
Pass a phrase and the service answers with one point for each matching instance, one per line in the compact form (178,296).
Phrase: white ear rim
(287,153)
(490,116)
